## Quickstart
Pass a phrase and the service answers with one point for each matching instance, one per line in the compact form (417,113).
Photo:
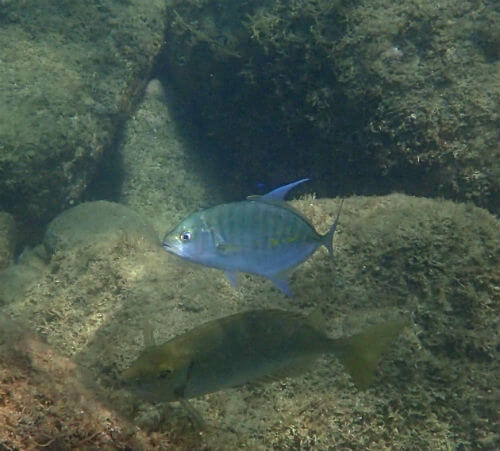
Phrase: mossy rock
(91,223)
(70,72)
(364,97)
(434,262)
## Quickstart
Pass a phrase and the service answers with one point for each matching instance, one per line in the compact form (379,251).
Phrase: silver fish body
(261,235)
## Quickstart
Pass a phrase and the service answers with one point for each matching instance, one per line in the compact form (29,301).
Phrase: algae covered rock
(163,178)
(432,261)
(69,72)
(16,276)
(95,222)
(365,97)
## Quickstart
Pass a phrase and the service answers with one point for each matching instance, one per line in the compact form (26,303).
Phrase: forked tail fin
(361,353)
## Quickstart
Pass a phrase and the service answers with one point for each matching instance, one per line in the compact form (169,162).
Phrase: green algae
(69,73)
(432,260)
(374,95)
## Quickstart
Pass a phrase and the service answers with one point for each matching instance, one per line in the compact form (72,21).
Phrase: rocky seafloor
(68,336)
(75,303)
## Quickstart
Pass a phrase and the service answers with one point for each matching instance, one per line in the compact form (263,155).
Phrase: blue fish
(261,235)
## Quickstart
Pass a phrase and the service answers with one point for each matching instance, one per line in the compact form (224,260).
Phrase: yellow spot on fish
(273,242)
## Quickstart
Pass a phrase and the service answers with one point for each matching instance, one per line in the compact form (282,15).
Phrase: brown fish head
(158,374)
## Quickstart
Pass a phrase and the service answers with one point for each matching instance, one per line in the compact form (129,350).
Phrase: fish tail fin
(328,237)
(361,353)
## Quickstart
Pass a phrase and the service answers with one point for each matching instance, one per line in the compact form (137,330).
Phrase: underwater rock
(161,171)
(15,281)
(70,72)
(7,239)
(95,222)
(434,261)
(363,97)
(31,371)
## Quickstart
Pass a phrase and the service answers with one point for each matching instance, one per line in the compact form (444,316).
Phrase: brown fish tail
(361,353)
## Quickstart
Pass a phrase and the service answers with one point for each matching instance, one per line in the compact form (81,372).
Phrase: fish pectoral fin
(233,278)
(222,246)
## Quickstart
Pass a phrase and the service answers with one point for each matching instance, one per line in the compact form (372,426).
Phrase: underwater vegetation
(70,74)
(365,97)
(434,261)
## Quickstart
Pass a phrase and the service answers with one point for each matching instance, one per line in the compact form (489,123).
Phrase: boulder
(69,73)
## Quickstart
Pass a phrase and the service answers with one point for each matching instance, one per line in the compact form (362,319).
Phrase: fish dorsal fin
(316,319)
(278,194)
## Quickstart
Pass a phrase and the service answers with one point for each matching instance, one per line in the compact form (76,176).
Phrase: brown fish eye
(165,373)
(185,236)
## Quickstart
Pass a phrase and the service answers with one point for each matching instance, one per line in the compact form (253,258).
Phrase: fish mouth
(166,246)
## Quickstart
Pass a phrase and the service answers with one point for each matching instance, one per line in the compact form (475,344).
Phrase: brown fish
(252,346)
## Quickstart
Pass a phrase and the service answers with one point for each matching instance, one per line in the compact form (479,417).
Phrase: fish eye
(185,236)
(165,373)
